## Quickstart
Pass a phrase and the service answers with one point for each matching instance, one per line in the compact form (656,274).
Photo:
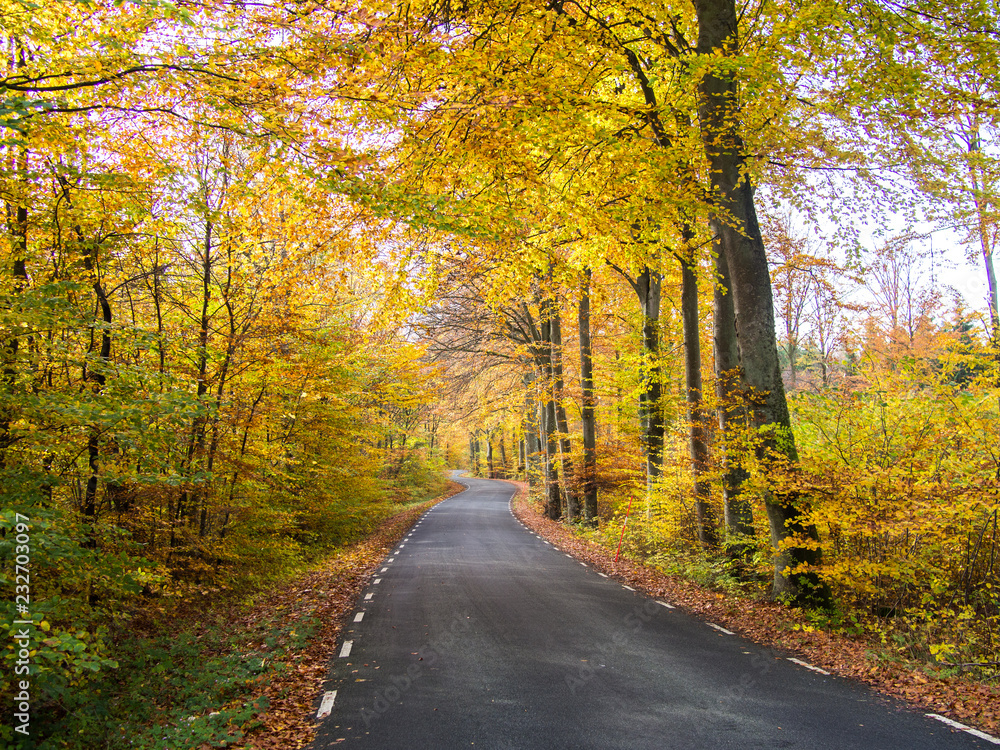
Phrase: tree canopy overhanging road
(477,633)
(267,268)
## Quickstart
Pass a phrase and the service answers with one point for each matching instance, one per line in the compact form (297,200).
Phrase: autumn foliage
(266,269)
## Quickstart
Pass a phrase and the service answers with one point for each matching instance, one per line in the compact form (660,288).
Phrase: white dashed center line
(345,650)
(368,597)
(359,617)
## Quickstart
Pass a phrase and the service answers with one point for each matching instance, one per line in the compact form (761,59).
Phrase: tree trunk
(985,244)
(552,494)
(588,410)
(503,456)
(697,433)
(196,442)
(91,264)
(532,446)
(648,287)
(743,247)
(562,423)
(731,414)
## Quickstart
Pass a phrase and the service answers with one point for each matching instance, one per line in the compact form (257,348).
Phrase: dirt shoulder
(776,626)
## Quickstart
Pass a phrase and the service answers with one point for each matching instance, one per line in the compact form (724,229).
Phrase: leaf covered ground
(775,625)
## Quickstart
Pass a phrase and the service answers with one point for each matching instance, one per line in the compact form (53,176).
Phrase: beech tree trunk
(985,242)
(532,445)
(552,494)
(730,413)
(648,287)
(743,247)
(588,412)
(503,456)
(562,423)
(91,263)
(697,432)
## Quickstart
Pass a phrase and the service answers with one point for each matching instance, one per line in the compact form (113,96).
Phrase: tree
(740,240)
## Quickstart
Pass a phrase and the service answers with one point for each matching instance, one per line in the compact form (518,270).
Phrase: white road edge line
(359,617)
(391,559)
(602,575)
(376,581)
(383,570)
(807,665)
(664,604)
(720,628)
(627,587)
(970,730)
(326,706)
(368,597)
(345,650)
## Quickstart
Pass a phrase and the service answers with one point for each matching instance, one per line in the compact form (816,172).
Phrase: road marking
(970,730)
(368,597)
(391,559)
(570,556)
(602,575)
(359,617)
(326,706)
(664,604)
(584,564)
(720,628)
(807,665)
(401,546)
(383,570)
(345,650)
(376,581)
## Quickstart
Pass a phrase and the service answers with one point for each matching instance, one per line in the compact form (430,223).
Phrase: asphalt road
(476,633)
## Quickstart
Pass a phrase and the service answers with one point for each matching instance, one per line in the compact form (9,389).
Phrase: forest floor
(775,625)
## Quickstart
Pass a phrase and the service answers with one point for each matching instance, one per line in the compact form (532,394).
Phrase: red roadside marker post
(622,538)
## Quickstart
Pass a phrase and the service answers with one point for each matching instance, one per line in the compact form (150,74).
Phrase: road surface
(477,633)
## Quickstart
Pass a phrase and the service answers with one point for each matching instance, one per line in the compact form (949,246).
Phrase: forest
(268,269)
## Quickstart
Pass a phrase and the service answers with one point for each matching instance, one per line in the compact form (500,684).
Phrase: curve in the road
(475,632)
